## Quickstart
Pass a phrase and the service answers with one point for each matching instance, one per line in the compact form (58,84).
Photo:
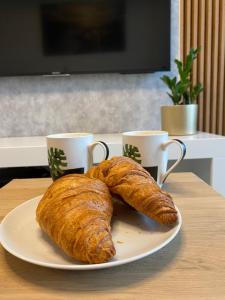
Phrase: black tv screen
(84,36)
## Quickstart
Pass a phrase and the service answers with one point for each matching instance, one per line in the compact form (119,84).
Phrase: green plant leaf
(167,80)
(180,68)
(132,152)
(56,160)
(196,90)
(181,91)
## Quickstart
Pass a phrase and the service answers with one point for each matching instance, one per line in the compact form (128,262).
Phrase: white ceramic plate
(135,236)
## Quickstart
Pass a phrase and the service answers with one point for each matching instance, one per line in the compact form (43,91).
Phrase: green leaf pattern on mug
(56,160)
(132,152)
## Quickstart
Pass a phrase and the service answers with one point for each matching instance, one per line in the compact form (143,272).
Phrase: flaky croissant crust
(75,212)
(134,184)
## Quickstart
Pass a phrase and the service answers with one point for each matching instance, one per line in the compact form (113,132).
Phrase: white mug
(149,148)
(71,153)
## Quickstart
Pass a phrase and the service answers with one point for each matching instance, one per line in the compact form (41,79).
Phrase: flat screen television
(54,37)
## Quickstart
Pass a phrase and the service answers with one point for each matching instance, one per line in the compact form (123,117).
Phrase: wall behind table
(105,103)
(203,26)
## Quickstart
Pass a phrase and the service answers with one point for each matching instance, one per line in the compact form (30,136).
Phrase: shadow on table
(99,280)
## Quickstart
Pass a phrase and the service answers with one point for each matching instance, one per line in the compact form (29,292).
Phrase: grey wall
(105,103)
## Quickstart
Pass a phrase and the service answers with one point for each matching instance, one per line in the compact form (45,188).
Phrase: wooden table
(190,267)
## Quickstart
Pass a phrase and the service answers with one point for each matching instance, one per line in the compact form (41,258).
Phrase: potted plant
(181,118)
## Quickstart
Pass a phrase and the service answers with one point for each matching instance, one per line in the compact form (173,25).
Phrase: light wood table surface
(191,267)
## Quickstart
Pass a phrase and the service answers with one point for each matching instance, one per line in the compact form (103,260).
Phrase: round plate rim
(105,265)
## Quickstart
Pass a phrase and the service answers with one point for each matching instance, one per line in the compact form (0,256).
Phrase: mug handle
(181,157)
(91,148)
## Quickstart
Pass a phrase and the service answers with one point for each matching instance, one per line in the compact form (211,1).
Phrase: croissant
(75,212)
(136,187)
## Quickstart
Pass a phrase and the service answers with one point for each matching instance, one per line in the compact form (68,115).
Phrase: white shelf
(31,151)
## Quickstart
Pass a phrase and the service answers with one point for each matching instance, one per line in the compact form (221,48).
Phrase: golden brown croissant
(75,212)
(134,184)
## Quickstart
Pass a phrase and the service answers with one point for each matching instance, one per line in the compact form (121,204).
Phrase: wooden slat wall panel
(215,61)
(201,64)
(208,66)
(221,86)
(194,35)
(187,29)
(182,21)
(203,25)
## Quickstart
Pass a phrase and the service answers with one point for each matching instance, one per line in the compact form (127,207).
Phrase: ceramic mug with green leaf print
(72,153)
(149,148)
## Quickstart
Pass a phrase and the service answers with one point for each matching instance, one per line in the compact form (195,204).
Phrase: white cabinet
(205,154)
